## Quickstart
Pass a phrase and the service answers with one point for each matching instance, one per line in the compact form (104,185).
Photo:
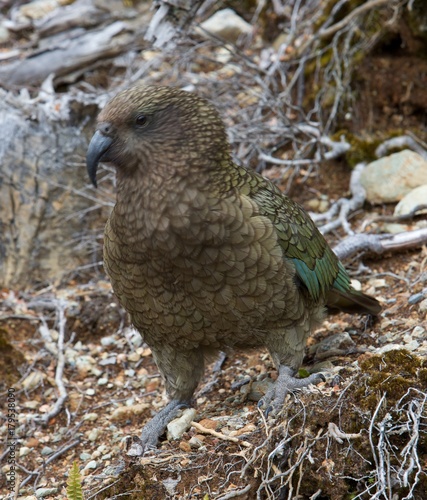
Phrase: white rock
(177,427)
(93,435)
(91,417)
(91,465)
(417,196)
(226,24)
(423,306)
(388,347)
(109,340)
(24,451)
(33,380)
(46,492)
(412,345)
(389,179)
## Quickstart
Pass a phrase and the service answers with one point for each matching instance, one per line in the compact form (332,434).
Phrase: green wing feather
(315,263)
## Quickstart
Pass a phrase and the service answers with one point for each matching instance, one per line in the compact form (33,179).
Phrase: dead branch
(81,51)
(400,143)
(335,432)
(61,307)
(344,207)
(235,493)
(379,243)
(400,218)
(219,435)
(169,20)
(327,32)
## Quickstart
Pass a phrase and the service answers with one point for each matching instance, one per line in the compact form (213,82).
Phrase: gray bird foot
(152,431)
(274,399)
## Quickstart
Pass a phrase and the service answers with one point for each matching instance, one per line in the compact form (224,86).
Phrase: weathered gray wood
(42,222)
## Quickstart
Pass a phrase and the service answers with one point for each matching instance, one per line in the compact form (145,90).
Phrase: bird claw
(275,397)
(152,431)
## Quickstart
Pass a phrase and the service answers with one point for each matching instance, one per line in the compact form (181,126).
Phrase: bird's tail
(352,301)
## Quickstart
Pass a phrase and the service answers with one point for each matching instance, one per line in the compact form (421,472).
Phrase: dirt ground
(328,441)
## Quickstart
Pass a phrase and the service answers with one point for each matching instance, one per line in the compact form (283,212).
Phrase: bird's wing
(316,265)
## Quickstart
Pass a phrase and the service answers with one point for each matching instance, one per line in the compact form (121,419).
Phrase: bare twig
(219,435)
(335,432)
(400,142)
(379,243)
(345,206)
(327,32)
(61,306)
(235,493)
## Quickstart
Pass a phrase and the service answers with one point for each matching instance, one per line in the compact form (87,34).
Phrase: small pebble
(134,356)
(93,435)
(85,456)
(185,446)
(111,360)
(47,451)
(418,331)
(423,306)
(45,492)
(195,442)
(24,451)
(106,341)
(414,299)
(93,464)
(91,417)
(103,381)
(90,392)
(412,346)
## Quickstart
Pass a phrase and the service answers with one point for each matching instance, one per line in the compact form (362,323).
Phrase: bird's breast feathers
(219,261)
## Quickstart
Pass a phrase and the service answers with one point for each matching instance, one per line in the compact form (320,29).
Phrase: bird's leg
(287,351)
(182,371)
(275,397)
(152,431)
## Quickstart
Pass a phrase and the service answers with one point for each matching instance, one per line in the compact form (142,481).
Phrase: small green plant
(74,484)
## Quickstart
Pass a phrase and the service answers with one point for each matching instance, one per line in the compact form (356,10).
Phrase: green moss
(399,359)
(393,374)
(363,147)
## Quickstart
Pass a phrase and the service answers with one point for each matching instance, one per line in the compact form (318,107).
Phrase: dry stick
(400,142)
(219,435)
(235,493)
(346,206)
(104,488)
(379,243)
(400,218)
(335,432)
(60,365)
(411,448)
(354,13)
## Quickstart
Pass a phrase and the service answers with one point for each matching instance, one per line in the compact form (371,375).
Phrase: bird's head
(145,128)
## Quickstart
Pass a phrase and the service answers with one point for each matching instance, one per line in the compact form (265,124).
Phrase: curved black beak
(98,146)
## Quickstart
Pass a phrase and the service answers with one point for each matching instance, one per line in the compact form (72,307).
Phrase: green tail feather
(352,301)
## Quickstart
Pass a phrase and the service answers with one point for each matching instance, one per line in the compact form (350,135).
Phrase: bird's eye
(140,120)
